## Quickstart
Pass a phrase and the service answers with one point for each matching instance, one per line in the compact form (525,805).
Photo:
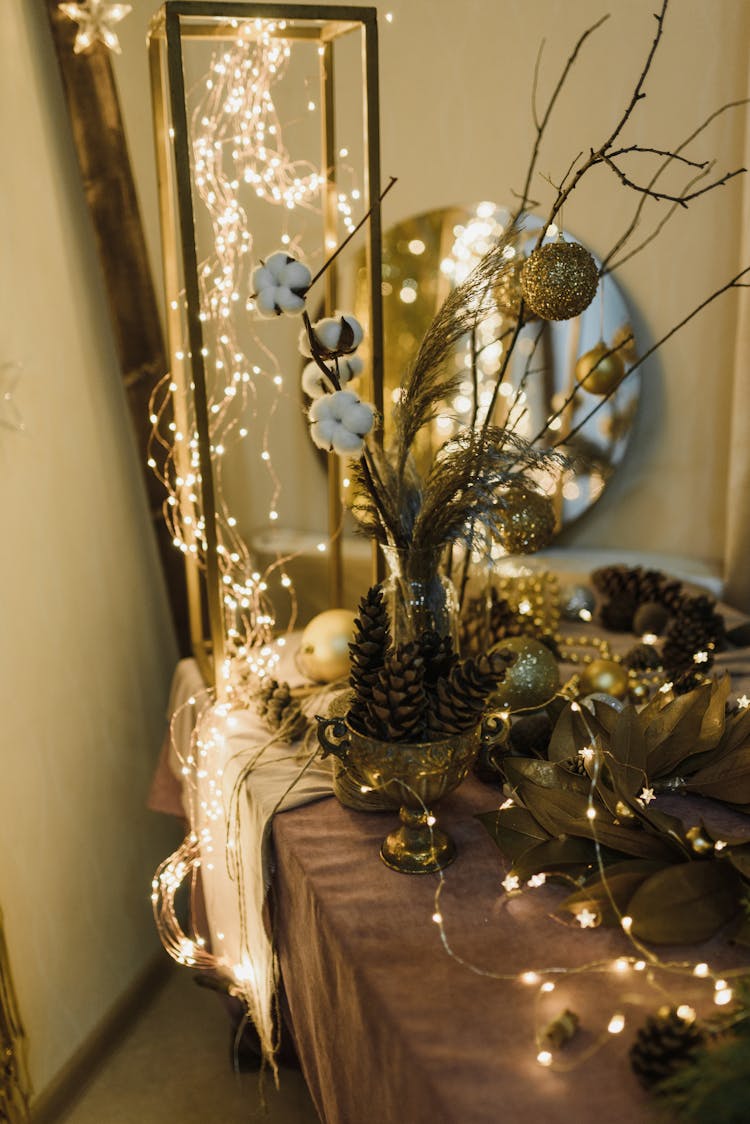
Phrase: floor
(175,1064)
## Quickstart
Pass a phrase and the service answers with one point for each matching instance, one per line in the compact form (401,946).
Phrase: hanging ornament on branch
(600,370)
(559,280)
(527,519)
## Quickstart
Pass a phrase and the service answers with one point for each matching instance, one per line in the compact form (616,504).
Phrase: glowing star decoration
(647,795)
(96,20)
(510,883)
(587,919)
(743,702)
(10,416)
(700,657)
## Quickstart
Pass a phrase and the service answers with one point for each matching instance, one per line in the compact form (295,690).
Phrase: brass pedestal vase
(417,775)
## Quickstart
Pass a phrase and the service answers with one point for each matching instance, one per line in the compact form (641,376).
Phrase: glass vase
(418,596)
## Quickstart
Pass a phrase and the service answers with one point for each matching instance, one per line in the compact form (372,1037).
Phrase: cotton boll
(265,301)
(324,432)
(296,275)
(327,333)
(356,329)
(280,285)
(358,418)
(345,442)
(314,382)
(350,368)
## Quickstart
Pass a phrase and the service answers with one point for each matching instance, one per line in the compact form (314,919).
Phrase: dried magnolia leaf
(685,903)
(727,779)
(513,829)
(555,855)
(622,880)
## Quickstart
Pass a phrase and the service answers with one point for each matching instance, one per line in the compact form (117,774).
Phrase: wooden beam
(99,139)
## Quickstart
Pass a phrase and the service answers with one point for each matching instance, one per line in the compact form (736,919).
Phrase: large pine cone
(399,701)
(459,700)
(438,654)
(280,711)
(642,657)
(696,628)
(625,589)
(662,1046)
(367,651)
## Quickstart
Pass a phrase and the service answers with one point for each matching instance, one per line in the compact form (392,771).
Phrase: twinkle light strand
(237,147)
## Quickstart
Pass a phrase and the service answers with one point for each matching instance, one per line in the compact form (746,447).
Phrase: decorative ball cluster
(280,283)
(559,280)
(527,519)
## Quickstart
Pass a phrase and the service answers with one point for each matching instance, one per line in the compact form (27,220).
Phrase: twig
(542,125)
(351,233)
(680,200)
(735,283)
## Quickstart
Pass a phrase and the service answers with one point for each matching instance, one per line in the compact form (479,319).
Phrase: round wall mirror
(424,257)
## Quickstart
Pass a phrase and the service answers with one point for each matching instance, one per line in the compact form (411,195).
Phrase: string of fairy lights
(238,147)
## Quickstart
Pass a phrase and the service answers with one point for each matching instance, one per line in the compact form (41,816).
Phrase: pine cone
(503,621)
(687,681)
(696,628)
(399,701)
(662,1046)
(617,614)
(367,651)
(651,617)
(279,710)
(642,657)
(473,626)
(438,654)
(459,700)
(575,765)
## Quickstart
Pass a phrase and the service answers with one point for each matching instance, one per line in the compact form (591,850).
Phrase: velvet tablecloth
(391,1029)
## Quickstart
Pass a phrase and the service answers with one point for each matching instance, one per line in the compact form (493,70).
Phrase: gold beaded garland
(532,680)
(599,372)
(559,280)
(527,519)
(324,647)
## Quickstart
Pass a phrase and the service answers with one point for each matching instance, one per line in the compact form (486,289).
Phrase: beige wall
(87,649)
(455,119)
(86,644)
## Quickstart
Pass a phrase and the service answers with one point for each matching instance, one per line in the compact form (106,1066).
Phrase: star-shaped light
(700,657)
(743,702)
(647,795)
(665,688)
(10,416)
(96,20)
(587,919)
(510,883)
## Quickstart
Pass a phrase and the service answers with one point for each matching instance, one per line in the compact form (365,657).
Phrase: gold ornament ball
(527,519)
(324,648)
(605,677)
(600,373)
(508,292)
(559,280)
(532,680)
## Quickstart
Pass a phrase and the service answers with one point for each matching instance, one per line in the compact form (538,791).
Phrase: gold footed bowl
(416,775)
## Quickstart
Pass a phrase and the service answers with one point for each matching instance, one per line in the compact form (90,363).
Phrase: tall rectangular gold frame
(178,21)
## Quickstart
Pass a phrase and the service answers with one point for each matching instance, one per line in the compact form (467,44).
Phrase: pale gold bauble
(606,677)
(508,293)
(532,680)
(599,373)
(527,519)
(559,280)
(324,648)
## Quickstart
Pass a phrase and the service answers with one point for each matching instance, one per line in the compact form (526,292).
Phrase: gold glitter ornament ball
(527,519)
(600,373)
(532,680)
(508,293)
(324,647)
(559,280)
(606,677)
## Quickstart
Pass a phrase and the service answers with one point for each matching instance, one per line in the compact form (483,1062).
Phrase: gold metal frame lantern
(175,25)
